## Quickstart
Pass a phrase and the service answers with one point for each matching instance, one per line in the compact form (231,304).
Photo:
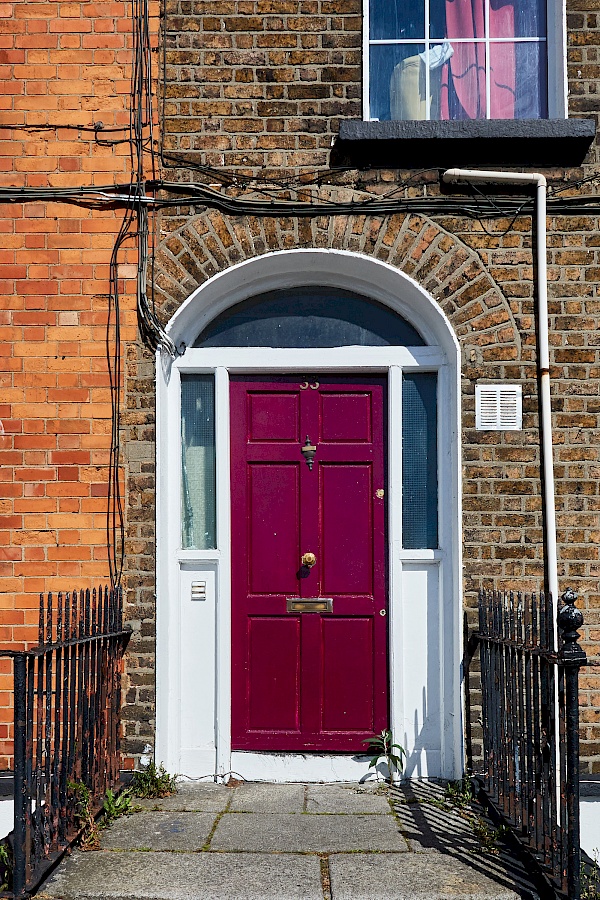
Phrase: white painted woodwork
(421,664)
(425,610)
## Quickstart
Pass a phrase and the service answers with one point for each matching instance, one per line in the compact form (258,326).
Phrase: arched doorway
(357,352)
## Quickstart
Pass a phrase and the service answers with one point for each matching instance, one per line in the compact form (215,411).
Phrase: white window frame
(556,48)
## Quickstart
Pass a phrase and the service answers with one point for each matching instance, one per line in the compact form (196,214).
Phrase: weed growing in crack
(460,793)
(384,749)
(590,879)
(458,798)
(114,806)
(6,867)
(153,783)
(117,805)
(487,837)
(90,834)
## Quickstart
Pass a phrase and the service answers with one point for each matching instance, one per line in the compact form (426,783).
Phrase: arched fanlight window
(309,317)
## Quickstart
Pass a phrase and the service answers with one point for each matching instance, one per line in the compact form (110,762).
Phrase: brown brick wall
(260,88)
(583,43)
(260,84)
(257,87)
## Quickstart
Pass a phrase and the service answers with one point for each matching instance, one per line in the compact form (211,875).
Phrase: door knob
(309,560)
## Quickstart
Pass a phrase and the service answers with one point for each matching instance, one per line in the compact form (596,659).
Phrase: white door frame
(193,666)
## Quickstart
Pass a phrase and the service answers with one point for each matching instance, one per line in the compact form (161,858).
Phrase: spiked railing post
(571,659)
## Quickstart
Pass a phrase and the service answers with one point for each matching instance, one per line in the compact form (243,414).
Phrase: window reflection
(457,59)
(309,317)
(198,470)
(419,461)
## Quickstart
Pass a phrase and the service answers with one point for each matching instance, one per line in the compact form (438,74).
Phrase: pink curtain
(463,76)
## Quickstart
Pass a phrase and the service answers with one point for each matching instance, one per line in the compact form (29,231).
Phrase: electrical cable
(136,212)
(185,194)
(151,330)
(115,521)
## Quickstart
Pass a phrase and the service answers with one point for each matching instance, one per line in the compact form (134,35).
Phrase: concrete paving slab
(159,831)
(259,851)
(412,876)
(203,796)
(444,832)
(268,798)
(427,827)
(347,798)
(306,833)
(185,876)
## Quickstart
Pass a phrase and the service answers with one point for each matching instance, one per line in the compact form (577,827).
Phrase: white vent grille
(498,407)
(198,590)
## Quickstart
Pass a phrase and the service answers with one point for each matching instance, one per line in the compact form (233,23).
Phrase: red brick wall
(62,64)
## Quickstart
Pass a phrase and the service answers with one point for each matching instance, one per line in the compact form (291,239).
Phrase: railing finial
(570,620)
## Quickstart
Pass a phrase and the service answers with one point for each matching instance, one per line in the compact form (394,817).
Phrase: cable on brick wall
(136,213)
(188,194)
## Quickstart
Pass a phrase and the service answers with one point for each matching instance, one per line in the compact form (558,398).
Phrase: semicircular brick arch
(446,268)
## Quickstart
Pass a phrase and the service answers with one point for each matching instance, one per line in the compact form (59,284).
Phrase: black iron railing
(530,717)
(67,701)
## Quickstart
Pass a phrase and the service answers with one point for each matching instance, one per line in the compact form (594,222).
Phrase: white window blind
(498,407)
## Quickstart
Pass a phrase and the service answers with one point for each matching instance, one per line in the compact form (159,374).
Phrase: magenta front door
(309,670)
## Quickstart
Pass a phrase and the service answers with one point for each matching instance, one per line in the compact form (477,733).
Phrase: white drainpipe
(472,175)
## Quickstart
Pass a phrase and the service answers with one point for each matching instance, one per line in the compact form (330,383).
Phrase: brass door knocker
(308,452)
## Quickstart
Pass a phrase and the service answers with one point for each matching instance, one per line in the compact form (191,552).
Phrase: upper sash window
(457,59)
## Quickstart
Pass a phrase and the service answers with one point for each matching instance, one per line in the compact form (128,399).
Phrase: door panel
(273,527)
(273,673)
(273,417)
(345,417)
(302,680)
(348,652)
(347,529)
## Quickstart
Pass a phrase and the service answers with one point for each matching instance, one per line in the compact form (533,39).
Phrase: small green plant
(459,797)
(153,782)
(384,747)
(6,867)
(116,805)
(460,793)
(90,834)
(487,837)
(590,879)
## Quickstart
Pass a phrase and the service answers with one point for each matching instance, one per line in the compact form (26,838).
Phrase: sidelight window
(457,59)
(419,461)
(198,468)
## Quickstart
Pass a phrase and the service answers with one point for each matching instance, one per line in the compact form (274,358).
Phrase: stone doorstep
(307,833)
(185,876)
(270,842)
(106,875)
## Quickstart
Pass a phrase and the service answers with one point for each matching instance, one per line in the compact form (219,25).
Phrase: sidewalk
(286,842)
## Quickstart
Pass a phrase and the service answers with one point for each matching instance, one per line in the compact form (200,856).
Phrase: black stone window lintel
(482,142)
